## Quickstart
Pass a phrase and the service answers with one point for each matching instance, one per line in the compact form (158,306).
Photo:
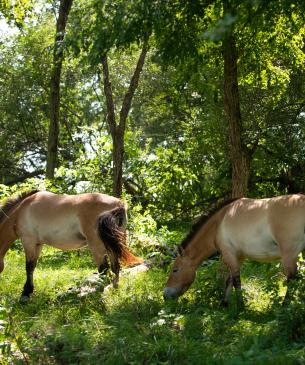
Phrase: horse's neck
(203,244)
(7,235)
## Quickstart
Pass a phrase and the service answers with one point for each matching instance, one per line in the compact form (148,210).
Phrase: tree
(240,157)
(117,130)
(233,27)
(103,30)
(58,55)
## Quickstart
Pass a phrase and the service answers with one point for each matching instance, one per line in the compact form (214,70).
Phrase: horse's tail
(7,223)
(111,232)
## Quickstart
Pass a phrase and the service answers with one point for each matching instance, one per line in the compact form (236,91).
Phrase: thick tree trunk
(240,156)
(118,130)
(64,9)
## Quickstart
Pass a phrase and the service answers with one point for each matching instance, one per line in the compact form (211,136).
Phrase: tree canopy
(180,147)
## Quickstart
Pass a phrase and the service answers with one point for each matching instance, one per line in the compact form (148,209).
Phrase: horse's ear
(180,251)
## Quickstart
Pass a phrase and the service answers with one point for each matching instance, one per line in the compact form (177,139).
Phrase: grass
(133,325)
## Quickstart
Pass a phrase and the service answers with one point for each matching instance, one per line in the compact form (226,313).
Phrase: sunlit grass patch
(49,279)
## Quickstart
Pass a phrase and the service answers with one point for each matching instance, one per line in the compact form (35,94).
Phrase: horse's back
(62,220)
(262,228)
(49,204)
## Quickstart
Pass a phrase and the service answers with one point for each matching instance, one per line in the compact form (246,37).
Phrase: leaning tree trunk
(58,55)
(117,130)
(240,158)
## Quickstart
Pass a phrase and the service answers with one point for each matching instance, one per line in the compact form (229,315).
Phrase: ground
(63,323)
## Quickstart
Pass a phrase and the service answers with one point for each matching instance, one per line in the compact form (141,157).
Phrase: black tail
(111,232)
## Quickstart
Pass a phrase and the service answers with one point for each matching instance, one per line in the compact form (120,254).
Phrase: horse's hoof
(24,299)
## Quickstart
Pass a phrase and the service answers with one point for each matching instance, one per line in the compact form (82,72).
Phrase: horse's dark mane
(202,220)
(11,203)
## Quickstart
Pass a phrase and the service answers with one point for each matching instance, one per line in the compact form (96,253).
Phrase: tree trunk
(118,156)
(58,55)
(118,130)
(240,157)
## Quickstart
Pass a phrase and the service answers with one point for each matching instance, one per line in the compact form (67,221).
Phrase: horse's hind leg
(32,252)
(100,257)
(290,267)
(237,286)
(115,268)
(228,290)
(104,266)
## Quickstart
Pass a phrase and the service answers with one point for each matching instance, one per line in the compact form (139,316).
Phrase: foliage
(177,147)
(15,10)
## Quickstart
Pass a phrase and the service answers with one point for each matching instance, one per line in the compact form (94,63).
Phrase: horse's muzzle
(170,293)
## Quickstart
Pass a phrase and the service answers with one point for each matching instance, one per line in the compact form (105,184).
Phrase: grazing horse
(262,230)
(66,222)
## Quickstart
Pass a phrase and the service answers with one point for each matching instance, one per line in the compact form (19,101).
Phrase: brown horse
(66,222)
(257,229)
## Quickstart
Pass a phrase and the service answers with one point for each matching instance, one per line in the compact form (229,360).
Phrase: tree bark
(117,130)
(58,55)
(240,156)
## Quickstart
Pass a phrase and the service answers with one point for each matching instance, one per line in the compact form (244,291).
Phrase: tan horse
(257,229)
(66,222)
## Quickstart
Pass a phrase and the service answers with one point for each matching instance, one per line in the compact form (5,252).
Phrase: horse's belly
(262,251)
(67,246)
(65,238)
(252,241)
(62,232)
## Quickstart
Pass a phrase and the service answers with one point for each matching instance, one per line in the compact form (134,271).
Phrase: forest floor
(68,322)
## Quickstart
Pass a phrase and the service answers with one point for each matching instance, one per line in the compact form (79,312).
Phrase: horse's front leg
(233,262)
(32,252)
(29,284)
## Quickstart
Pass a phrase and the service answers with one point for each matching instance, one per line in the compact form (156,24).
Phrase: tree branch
(109,97)
(132,87)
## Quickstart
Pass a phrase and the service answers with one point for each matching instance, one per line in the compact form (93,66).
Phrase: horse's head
(181,276)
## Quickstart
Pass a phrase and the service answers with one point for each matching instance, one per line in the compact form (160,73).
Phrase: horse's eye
(175,269)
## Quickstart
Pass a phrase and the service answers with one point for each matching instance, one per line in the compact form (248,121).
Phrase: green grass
(133,325)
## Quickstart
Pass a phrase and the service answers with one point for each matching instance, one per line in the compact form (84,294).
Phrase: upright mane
(11,203)
(202,221)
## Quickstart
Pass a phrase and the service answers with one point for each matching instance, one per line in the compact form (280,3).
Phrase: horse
(262,230)
(67,222)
